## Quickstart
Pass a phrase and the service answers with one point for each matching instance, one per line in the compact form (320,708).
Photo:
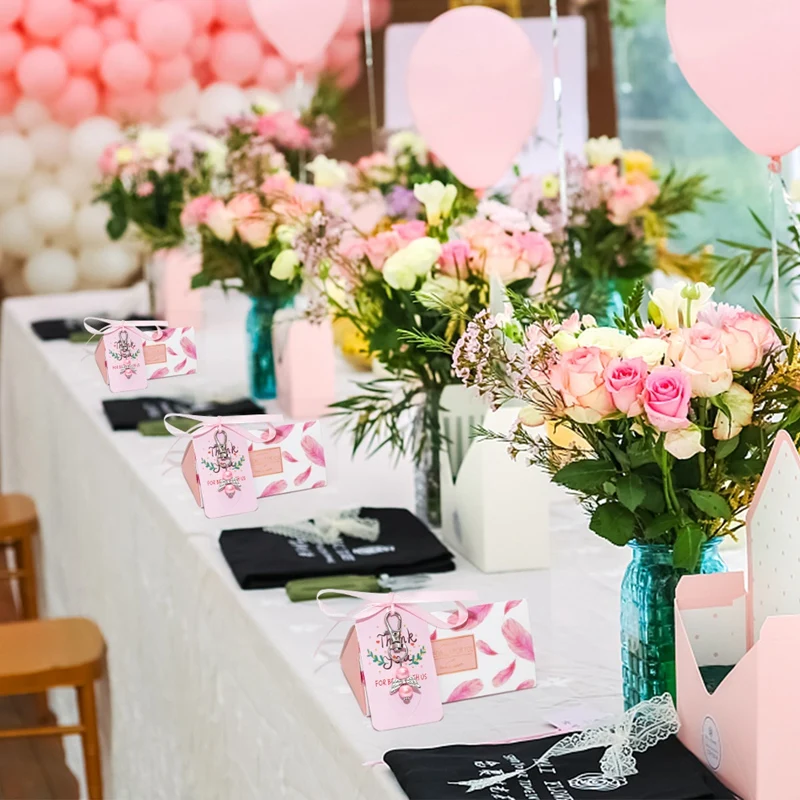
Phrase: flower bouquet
(661,427)
(621,215)
(247,244)
(421,279)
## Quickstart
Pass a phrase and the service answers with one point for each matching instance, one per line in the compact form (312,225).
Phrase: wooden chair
(18,524)
(45,654)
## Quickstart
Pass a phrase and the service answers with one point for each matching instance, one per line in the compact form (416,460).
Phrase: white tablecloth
(214,692)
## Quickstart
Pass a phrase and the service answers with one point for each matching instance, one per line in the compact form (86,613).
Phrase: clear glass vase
(647,618)
(262,354)
(427,471)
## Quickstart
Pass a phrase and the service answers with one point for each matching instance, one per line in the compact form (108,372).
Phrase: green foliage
(614,522)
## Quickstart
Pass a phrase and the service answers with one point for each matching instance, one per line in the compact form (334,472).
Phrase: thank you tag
(125,359)
(399,673)
(224,473)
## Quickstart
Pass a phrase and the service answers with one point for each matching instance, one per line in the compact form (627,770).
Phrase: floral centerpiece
(247,245)
(421,278)
(621,215)
(661,427)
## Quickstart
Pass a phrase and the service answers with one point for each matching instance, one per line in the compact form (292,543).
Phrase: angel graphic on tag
(224,460)
(126,352)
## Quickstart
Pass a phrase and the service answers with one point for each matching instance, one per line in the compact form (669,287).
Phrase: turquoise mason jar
(261,359)
(648,618)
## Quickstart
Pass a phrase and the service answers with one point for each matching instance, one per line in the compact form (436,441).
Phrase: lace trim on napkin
(639,729)
(328,528)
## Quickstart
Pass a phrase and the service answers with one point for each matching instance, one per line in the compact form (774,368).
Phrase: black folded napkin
(50,330)
(406,546)
(667,771)
(126,414)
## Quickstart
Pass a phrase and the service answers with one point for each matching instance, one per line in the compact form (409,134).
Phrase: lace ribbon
(639,729)
(114,325)
(328,528)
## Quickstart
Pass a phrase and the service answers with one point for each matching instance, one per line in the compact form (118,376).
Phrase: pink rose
(283,128)
(408,231)
(625,379)
(381,246)
(667,394)
(748,337)
(255,232)
(353,247)
(107,162)
(700,352)
(376,167)
(145,189)
(648,187)
(196,211)
(503,258)
(480,233)
(244,205)
(624,202)
(604,178)
(536,250)
(579,377)
(278,184)
(455,259)
(220,221)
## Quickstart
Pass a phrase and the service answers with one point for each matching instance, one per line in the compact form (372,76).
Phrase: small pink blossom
(527,194)
(667,394)
(284,129)
(107,162)
(145,189)
(625,379)
(196,211)
(409,231)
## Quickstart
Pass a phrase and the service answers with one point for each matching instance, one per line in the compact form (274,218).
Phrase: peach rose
(579,377)
(701,353)
(625,379)
(748,337)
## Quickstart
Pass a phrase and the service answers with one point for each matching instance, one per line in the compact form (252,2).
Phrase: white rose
(740,403)
(530,417)
(403,144)
(153,143)
(564,342)
(685,443)
(285,234)
(285,265)
(437,198)
(679,306)
(123,155)
(445,288)
(328,173)
(414,261)
(651,351)
(603,151)
(609,339)
(216,155)
(508,218)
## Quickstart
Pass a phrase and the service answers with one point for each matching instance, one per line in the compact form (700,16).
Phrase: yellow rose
(638,161)
(550,187)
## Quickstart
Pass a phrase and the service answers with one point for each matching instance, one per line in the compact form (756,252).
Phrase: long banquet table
(214,692)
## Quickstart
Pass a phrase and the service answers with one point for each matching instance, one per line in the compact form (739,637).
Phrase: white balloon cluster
(52,236)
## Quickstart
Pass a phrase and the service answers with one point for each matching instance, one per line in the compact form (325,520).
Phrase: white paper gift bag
(495,511)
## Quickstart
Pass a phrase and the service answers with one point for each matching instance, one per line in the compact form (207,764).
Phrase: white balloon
(180,103)
(18,237)
(16,157)
(50,143)
(29,113)
(51,271)
(40,179)
(10,193)
(77,181)
(7,125)
(109,266)
(90,139)
(14,284)
(220,101)
(65,240)
(51,209)
(90,224)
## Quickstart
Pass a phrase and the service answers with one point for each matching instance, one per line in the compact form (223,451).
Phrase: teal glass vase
(603,298)
(647,618)
(262,353)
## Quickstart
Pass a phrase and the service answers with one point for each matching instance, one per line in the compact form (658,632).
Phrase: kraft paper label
(155,354)
(266,462)
(455,655)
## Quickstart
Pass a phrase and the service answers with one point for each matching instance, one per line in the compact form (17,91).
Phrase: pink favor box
(748,730)
(305,367)
(175,298)
(491,653)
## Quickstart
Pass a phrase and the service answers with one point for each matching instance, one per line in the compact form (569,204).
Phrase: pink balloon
(114,29)
(300,29)
(79,101)
(347,77)
(100,3)
(82,47)
(201,11)
(48,19)
(312,69)
(11,47)
(234,13)
(274,74)
(353,21)
(85,16)
(475,89)
(199,48)
(10,12)
(739,58)
(125,67)
(42,73)
(8,95)
(380,12)
(132,108)
(170,75)
(129,9)
(164,29)
(343,51)
(235,56)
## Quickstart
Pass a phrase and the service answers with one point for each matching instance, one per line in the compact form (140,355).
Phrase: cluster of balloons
(73,71)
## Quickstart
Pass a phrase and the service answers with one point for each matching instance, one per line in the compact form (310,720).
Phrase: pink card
(224,474)
(398,671)
(491,653)
(124,351)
